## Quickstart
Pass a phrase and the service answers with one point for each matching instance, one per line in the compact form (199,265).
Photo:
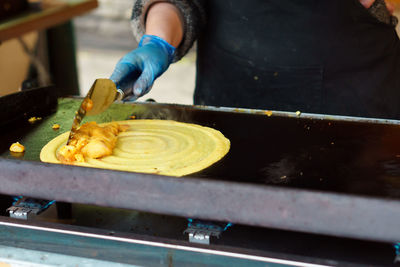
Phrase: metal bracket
(200,235)
(26,208)
(200,232)
(397,252)
(397,259)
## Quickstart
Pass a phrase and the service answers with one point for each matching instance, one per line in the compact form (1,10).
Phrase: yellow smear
(17,147)
(268,113)
(56,126)
(34,119)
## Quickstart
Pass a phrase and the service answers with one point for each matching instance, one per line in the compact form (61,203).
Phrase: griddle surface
(359,158)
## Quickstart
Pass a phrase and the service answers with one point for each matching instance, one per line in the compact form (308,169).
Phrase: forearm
(193,17)
(164,20)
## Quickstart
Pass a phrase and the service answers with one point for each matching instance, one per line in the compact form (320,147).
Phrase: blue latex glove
(136,71)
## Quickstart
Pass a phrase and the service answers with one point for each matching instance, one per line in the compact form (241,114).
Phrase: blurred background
(100,38)
(105,35)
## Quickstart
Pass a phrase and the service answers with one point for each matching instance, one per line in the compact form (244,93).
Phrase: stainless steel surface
(199,237)
(120,95)
(21,213)
(104,93)
(126,248)
(20,257)
(201,231)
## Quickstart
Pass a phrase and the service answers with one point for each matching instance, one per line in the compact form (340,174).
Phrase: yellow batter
(155,146)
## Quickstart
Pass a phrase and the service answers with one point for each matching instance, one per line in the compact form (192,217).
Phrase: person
(329,57)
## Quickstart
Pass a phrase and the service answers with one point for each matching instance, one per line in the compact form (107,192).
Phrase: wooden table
(53,12)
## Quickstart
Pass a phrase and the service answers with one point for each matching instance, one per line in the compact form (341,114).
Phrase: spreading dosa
(155,146)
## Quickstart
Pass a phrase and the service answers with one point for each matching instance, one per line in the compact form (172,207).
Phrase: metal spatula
(100,96)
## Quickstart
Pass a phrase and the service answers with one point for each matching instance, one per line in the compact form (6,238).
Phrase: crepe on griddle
(155,146)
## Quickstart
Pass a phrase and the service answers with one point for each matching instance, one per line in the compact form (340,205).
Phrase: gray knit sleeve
(381,13)
(192,14)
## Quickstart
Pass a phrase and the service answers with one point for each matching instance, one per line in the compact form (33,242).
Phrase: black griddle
(313,173)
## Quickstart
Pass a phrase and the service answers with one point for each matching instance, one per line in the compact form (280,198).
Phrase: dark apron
(329,57)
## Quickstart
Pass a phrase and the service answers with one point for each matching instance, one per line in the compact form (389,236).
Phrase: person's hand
(368,3)
(135,73)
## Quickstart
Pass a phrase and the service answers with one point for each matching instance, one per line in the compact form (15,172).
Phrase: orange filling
(56,126)
(17,147)
(92,141)
(87,104)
